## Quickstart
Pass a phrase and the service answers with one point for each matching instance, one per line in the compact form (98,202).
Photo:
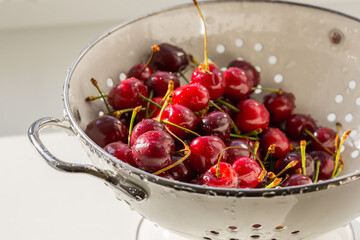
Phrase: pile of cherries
(211,131)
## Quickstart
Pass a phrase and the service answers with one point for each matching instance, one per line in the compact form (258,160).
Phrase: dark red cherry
(248,171)
(182,172)
(238,84)
(327,163)
(245,149)
(213,81)
(249,69)
(197,180)
(193,96)
(167,175)
(121,151)
(144,126)
(126,94)
(296,180)
(275,136)
(225,108)
(159,82)
(253,115)
(217,124)
(106,129)
(296,156)
(136,72)
(280,106)
(205,152)
(227,177)
(152,150)
(182,116)
(170,58)
(327,137)
(296,124)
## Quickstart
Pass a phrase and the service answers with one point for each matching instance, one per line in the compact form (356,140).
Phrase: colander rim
(183,186)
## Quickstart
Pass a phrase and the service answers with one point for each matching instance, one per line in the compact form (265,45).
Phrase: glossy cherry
(106,129)
(238,84)
(279,105)
(224,177)
(182,172)
(194,96)
(144,126)
(126,94)
(249,69)
(244,148)
(217,124)
(327,138)
(296,124)
(296,180)
(253,115)
(167,176)
(141,72)
(205,152)
(296,156)
(275,136)
(170,58)
(327,163)
(121,151)
(212,79)
(152,150)
(248,171)
(159,82)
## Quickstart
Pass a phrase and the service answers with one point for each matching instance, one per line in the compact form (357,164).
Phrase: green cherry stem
(274,183)
(149,100)
(148,104)
(205,36)
(94,82)
(236,129)
(235,109)
(317,171)
(345,135)
(180,127)
(92,98)
(290,165)
(183,76)
(154,48)
(132,120)
(303,156)
(118,113)
(244,136)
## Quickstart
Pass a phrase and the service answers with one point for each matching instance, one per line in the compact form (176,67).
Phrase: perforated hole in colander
(255,236)
(239,42)
(297,232)
(122,76)
(257,226)
(280,228)
(233,228)
(109,82)
(220,48)
(352,84)
(258,47)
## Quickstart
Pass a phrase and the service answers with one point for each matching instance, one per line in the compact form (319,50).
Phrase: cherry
(253,115)
(141,72)
(167,175)
(170,58)
(248,171)
(121,151)
(249,69)
(212,79)
(327,163)
(296,180)
(238,84)
(153,110)
(224,107)
(194,96)
(182,116)
(296,156)
(126,94)
(275,136)
(145,126)
(326,136)
(217,124)
(159,82)
(296,124)
(245,149)
(151,150)
(182,172)
(106,129)
(223,176)
(205,152)
(280,105)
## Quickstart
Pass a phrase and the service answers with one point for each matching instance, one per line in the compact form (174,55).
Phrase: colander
(310,51)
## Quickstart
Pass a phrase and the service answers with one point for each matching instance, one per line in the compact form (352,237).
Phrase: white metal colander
(312,52)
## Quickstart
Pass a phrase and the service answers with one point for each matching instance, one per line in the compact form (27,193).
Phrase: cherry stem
(180,127)
(132,120)
(338,127)
(270,150)
(317,171)
(293,148)
(94,82)
(92,98)
(262,175)
(148,104)
(274,183)
(118,113)
(303,156)
(319,142)
(340,168)
(256,147)
(290,165)
(235,109)
(193,60)
(236,129)
(183,76)
(279,91)
(243,136)
(154,48)
(345,135)
(205,36)
(149,100)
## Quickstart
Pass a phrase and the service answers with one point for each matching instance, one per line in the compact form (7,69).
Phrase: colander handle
(131,190)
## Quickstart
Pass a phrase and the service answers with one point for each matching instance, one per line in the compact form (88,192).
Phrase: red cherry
(275,136)
(296,180)
(167,175)
(238,84)
(136,70)
(248,171)
(296,124)
(225,108)
(249,69)
(126,94)
(182,116)
(205,152)
(143,127)
(121,151)
(280,106)
(159,82)
(182,172)
(253,115)
(216,124)
(296,156)
(194,96)
(327,163)
(170,58)
(151,150)
(106,129)
(213,81)
(227,176)
(327,137)
(246,149)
